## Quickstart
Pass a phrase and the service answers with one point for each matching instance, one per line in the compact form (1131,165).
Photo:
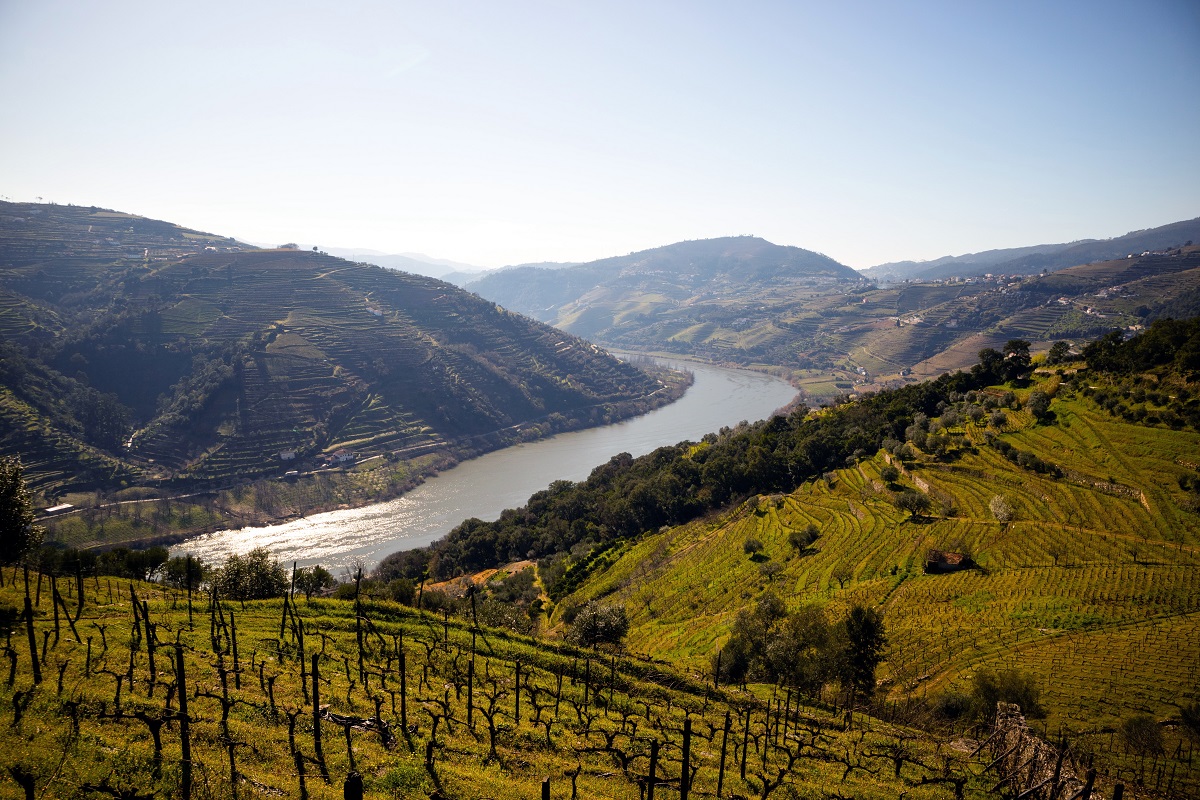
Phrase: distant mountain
(418,263)
(1032,260)
(613,298)
(137,350)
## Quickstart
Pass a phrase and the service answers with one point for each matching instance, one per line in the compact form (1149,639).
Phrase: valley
(984,473)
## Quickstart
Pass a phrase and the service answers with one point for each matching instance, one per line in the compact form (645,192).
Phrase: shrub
(1006,686)
(952,705)
(1142,734)
(595,624)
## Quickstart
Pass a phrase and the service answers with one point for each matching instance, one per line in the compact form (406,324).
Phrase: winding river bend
(485,486)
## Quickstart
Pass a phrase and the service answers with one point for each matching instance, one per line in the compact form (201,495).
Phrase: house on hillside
(938,561)
(343,457)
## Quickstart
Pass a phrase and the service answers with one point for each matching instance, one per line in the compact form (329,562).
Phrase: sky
(494,133)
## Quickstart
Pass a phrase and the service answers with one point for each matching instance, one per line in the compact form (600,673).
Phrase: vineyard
(1091,586)
(138,690)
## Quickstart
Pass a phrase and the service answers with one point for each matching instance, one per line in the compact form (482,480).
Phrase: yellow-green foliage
(86,727)
(1093,589)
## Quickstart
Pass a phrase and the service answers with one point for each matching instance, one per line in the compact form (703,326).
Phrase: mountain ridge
(1035,258)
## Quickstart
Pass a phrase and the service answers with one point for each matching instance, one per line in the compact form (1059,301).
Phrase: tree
(184,572)
(915,503)
(990,366)
(889,474)
(865,640)
(1059,353)
(799,653)
(1000,508)
(254,576)
(1017,361)
(596,624)
(1190,716)
(1038,404)
(802,539)
(751,546)
(18,535)
(316,578)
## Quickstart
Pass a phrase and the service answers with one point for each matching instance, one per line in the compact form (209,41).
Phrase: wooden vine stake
(685,774)
(185,736)
(316,714)
(724,747)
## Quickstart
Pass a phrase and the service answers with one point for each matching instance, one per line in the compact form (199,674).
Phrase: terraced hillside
(1084,575)
(221,363)
(832,331)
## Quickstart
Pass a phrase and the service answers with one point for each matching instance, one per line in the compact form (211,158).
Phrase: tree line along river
(485,486)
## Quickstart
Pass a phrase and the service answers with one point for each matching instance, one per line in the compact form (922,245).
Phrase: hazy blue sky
(502,132)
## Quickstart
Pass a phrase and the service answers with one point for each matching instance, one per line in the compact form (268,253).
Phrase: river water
(485,486)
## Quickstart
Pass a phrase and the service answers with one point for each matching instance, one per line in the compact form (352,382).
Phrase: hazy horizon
(495,135)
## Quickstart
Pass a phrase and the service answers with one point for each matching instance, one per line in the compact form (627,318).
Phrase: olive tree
(595,624)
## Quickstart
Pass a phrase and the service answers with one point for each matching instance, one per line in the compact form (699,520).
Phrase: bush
(402,590)
(952,705)
(595,624)
(1006,686)
(1142,734)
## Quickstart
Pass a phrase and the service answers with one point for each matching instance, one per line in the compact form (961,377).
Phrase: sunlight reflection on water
(506,478)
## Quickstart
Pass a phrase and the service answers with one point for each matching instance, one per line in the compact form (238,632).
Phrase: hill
(602,299)
(1033,259)
(200,696)
(833,336)
(1048,528)
(141,352)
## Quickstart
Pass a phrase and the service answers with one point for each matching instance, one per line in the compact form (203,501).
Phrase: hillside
(1035,258)
(141,352)
(149,690)
(601,299)
(833,336)
(1072,500)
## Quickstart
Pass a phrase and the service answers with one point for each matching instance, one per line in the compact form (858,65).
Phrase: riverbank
(483,488)
(146,516)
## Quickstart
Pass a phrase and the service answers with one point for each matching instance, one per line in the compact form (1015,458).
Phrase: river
(485,486)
